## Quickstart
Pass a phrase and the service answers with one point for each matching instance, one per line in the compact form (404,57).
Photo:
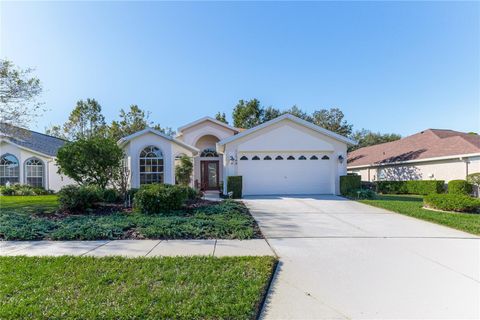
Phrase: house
(432,154)
(28,157)
(286,155)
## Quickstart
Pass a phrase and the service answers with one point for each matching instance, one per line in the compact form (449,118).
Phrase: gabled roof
(430,143)
(158,133)
(292,118)
(220,123)
(32,140)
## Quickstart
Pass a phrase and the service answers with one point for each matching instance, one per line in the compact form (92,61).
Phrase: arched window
(279,158)
(325,158)
(243,158)
(9,169)
(302,158)
(255,158)
(313,158)
(34,172)
(291,158)
(267,158)
(151,165)
(209,153)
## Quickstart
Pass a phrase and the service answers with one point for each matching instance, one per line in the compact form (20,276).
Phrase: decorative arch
(34,170)
(203,135)
(151,165)
(209,153)
(9,169)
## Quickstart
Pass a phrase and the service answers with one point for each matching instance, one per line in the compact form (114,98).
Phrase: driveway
(340,259)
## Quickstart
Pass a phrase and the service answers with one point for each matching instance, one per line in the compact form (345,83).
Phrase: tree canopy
(367,138)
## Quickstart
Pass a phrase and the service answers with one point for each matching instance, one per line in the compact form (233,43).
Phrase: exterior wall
(286,136)
(52,180)
(430,170)
(169,149)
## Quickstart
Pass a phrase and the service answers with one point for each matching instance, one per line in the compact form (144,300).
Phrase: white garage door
(291,173)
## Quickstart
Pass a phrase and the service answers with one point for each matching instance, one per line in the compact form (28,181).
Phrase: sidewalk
(138,248)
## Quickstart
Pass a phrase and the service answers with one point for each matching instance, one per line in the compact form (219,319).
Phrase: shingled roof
(430,143)
(32,140)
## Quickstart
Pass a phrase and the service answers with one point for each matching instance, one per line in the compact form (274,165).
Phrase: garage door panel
(263,177)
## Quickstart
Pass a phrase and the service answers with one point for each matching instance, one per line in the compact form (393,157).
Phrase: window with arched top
(291,158)
(325,158)
(279,158)
(209,153)
(9,169)
(243,158)
(302,158)
(267,158)
(255,158)
(313,158)
(34,172)
(151,165)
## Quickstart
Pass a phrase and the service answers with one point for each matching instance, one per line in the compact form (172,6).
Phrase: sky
(398,67)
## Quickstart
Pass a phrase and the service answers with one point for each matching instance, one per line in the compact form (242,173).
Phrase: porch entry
(209,175)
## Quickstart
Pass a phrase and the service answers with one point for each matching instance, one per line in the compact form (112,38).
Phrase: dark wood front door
(209,171)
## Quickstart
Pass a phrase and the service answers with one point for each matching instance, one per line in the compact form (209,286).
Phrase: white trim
(220,123)
(373,165)
(28,149)
(291,118)
(124,140)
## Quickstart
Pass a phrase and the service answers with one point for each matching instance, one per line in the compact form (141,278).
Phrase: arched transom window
(151,165)
(34,172)
(9,171)
(210,153)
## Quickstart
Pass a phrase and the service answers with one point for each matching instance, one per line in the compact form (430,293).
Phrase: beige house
(432,154)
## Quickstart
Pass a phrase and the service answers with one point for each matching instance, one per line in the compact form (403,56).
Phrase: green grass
(124,288)
(29,218)
(411,205)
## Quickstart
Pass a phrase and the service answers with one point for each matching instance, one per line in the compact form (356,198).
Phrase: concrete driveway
(340,259)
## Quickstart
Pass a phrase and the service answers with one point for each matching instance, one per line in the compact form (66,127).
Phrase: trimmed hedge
(422,187)
(158,198)
(234,184)
(459,187)
(452,202)
(73,198)
(350,183)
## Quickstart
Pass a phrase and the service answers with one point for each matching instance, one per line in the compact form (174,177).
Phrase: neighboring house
(28,157)
(286,155)
(432,154)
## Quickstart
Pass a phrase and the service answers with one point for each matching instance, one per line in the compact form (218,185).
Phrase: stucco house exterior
(432,154)
(286,155)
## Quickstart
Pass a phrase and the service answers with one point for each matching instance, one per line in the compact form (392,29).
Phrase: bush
(452,202)
(410,187)
(350,183)
(23,190)
(474,179)
(156,198)
(111,196)
(77,199)
(234,185)
(459,187)
(192,194)
(361,194)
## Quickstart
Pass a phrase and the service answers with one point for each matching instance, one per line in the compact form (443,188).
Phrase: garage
(286,173)
(286,155)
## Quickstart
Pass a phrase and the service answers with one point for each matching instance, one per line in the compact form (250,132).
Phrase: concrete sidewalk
(138,248)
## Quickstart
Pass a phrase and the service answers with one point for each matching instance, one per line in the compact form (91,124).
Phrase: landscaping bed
(140,288)
(37,218)
(412,205)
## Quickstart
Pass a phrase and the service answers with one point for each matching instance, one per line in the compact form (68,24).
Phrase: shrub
(234,185)
(74,198)
(22,190)
(459,187)
(156,198)
(111,196)
(350,183)
(410,187)
(452,202)
(474,179)
(361,194)
(192,194)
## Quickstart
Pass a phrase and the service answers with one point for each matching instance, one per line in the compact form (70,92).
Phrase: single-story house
(286,155)
(432,154)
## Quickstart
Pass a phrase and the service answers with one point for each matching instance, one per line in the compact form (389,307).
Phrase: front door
(209,175)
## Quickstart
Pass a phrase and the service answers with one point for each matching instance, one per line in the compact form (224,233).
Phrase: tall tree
(19,91)
(270,113)
(332,119)
(221,117)
(367,138)
(247,114)
(297,112)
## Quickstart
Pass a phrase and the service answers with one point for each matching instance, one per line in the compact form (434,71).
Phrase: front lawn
(141,288)
(411,205)
(33,218)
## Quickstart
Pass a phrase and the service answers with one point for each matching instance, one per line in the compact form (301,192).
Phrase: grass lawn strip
(142,288)
(31,218)
(412,205)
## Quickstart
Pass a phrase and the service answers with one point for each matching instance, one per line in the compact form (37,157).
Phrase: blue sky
(391,67)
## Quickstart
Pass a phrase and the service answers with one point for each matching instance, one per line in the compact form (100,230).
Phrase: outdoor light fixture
(232,159)
(340,158)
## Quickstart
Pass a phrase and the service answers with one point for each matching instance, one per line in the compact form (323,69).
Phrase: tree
(184,170)
(297,112)
(247,114)
(90,161)
(367,138)
(270,113)
(332,119)
(19,91)
(221,117)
